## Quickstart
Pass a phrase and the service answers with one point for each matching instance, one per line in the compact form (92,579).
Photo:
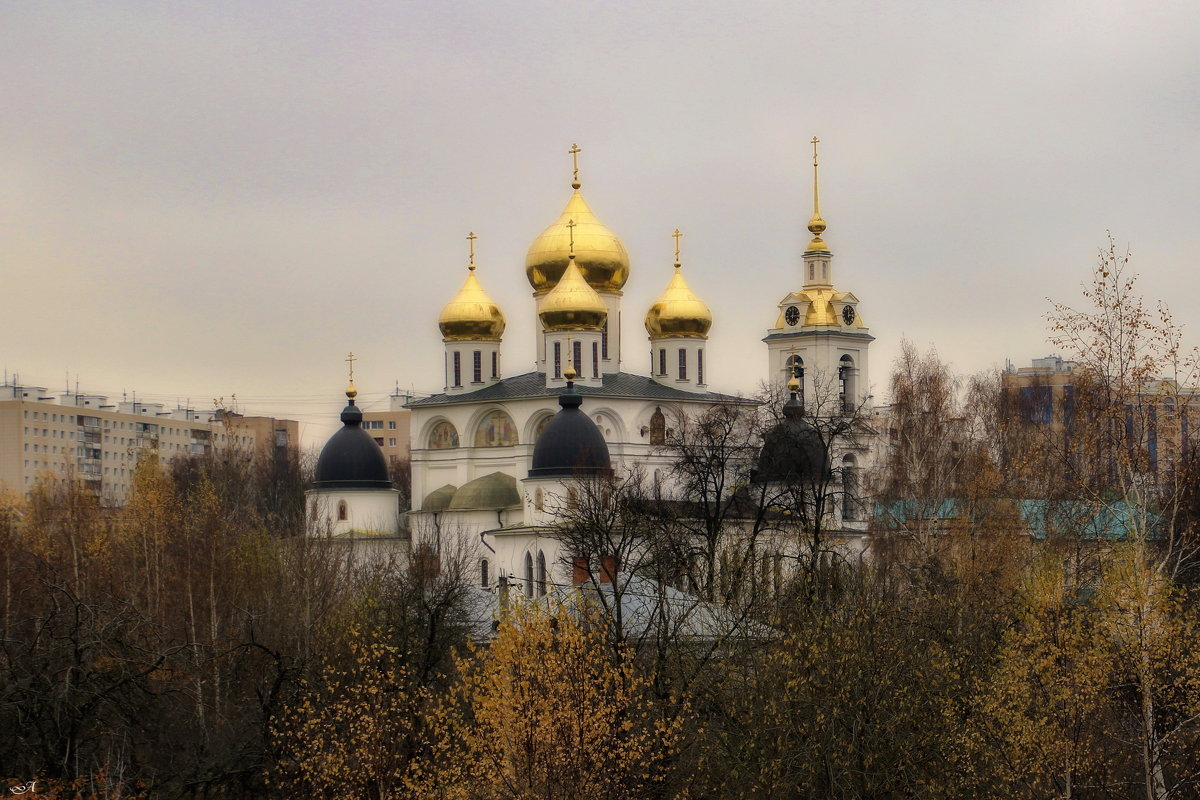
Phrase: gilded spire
(816,225)
(351,391)
(575,151)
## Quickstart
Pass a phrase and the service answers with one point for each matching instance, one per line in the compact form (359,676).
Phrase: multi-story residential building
(71,435)
(390,429)
(1153,419)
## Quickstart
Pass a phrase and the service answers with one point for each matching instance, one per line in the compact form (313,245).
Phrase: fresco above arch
(496,429)
(444,436)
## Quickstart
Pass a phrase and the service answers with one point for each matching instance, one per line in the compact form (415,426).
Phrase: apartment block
(391,429)
(85,437)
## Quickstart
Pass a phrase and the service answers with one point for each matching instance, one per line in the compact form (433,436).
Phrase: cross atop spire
(676,236)
(816,225)
(816,194)
(351,391)
(571,231)
(471,237)
(575,151)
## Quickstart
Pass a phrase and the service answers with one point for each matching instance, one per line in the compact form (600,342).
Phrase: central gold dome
(678,311)
(572,303)
(599,254)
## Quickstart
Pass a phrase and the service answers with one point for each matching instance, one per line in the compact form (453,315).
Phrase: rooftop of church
(621,384)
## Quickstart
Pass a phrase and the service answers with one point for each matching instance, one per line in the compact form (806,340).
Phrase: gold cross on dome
(471,237)
(571,230)
(575,151)
(676,236)
(351,359)
(815,142)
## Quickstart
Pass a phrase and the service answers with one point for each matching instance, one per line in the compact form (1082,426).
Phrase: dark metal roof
(533,384)
(351,459)
(571,445)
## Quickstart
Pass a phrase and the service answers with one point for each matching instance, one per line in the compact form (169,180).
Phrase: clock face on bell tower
(792,315)
(848,314)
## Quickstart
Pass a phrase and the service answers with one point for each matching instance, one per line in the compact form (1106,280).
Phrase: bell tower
(819,335)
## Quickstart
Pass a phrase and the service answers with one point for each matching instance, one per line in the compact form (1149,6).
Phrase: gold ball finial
(794,385)
(569,373)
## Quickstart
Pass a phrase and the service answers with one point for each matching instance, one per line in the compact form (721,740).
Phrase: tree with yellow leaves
(353,730)
(1044,722)
(547,711)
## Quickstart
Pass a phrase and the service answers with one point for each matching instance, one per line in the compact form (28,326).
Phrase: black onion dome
(571,445)
(792,450)
(351,459)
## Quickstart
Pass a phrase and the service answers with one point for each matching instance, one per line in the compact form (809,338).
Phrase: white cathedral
(492,452)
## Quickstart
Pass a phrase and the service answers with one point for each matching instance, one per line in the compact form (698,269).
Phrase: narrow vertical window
(558,359)
(604,341)
(682,364)
(811,271)
(699,366)
(343,514)
(662,361)
(495,364)
(484,577)
(577,357)
(529,575)
(541,574)
(477,366)
(595,359)
(457,368)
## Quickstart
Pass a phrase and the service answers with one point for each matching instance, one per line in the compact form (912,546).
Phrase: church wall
(368,510)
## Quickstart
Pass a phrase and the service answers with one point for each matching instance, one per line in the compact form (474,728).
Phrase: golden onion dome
(471,314)
(572,303)
(678,311)
(599,254)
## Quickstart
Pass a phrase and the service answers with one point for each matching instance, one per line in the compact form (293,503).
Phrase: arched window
(444,436)
(496,429)
(484,573)
(343,512)
(794,367)
(658,427)
(529,575)
(539,499)
(846,374)
(849,489)
(541,574)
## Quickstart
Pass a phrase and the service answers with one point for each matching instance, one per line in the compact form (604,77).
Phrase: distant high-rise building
(84,437)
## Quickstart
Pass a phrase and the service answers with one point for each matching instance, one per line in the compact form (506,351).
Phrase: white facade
(468,433)
(339,512)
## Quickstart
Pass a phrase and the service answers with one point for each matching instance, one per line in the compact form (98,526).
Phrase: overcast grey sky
(208,199)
